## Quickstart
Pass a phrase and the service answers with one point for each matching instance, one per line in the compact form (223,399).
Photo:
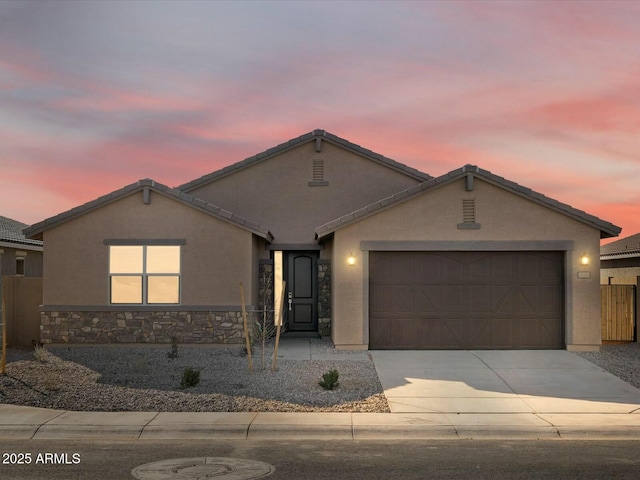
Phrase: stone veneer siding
(324,298)
(141,327)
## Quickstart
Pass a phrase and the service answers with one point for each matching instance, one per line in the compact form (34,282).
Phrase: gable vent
(318,170)
(468,215)
(318,174)
(468,211)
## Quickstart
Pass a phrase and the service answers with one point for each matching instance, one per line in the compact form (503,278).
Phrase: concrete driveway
(545,382)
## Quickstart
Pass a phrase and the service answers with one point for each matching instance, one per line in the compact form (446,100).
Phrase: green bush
(190,378)
(330,380)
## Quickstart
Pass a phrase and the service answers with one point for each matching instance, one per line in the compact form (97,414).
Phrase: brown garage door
(466,300)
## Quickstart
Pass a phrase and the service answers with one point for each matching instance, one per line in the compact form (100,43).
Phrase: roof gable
(470,171)
(36,230)
(315,136)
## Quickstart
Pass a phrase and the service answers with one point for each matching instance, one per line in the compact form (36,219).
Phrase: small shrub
(40,354)
(330,380)
(190,378)
(173,353)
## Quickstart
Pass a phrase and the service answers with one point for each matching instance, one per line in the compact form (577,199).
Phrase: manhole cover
(202,468)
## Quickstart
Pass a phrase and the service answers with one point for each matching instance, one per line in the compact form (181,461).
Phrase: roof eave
(37,230)
(607,229)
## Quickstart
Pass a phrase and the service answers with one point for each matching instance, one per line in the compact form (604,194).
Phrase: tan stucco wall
(217,255)
(275,192)
(32,261)
(620,276)
(434,216)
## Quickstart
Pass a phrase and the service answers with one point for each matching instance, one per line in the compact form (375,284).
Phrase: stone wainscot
(141,327)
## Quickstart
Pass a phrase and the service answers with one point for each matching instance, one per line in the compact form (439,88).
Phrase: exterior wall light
(584,260)
(351,260)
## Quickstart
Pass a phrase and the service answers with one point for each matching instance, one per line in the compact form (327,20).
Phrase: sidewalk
(449,395)
(23,423)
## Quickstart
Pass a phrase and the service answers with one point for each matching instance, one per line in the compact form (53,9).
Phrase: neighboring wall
(32,260)
(622,271)
(434,216)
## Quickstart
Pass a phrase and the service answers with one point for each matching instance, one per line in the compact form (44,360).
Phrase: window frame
(21,265)
(144,275)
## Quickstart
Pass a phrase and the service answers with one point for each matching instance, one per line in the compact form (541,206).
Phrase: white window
(144,274)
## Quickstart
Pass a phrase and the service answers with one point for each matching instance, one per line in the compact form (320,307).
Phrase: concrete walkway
(433,395)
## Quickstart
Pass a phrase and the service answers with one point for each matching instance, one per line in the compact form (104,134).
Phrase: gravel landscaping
(144,378)
(623,360)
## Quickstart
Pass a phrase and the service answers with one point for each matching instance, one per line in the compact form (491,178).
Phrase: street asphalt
(432,395)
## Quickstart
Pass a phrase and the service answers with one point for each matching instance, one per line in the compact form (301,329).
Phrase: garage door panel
(403,333)
(402,298)
(551,330)
(380,298)
(496,334)
(403,267)
(380,268)
(447,298)
(424,300)
(466,300)
(381,334)
(550,299)
(450,272)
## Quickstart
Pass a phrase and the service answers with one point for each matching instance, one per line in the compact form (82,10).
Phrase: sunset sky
(96,95)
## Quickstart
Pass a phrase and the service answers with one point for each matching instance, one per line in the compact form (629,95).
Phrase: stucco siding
(620,276)
(504,218)
(277,192)
(215,258)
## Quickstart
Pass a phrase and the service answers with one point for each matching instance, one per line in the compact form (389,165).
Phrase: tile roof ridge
(294,142)
(158,187)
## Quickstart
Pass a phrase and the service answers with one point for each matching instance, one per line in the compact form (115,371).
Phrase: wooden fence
(22,299)
(618,312)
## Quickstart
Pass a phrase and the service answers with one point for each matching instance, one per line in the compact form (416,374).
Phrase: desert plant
(190,378)
(40,354)
(264,328)
(173,353)
(330,380)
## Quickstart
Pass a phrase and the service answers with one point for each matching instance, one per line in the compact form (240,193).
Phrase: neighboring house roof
(623,248)
(606,229)
(35,231)
(316,135)
(11,233)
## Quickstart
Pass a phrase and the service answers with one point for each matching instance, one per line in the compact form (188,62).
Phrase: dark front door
(301,295)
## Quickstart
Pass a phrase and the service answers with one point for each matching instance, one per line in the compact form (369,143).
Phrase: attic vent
(318,174)
(469,211)
(318,170)
(468,215)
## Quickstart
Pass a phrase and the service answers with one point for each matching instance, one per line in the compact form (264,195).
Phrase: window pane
(163,259)
(163,289)
(125,259)
(126,289)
